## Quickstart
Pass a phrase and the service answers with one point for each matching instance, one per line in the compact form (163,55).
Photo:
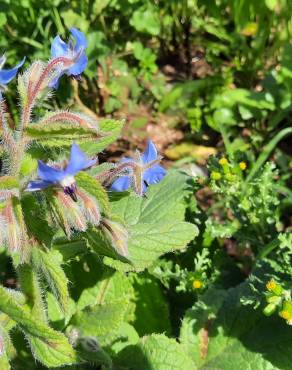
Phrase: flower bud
(10,231)
(117,234)
(215,175)
(70,213)
(90,208)
(269,309)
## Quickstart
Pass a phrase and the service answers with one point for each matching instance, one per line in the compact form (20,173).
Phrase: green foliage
(176,279)
(155,352)
(221,332)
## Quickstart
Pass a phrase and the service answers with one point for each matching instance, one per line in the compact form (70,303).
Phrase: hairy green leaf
(49,263)
(156,223)
(233,335)
(156,352)
(49,346)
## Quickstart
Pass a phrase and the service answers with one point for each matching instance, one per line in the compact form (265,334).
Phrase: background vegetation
(210,82)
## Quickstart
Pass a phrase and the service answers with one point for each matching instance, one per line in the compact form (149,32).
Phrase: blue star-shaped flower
(74,51)
(144,171)
(50,176)
(6,75)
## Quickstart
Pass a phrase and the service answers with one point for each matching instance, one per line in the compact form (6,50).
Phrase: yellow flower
(242,166)
(223,161)
(197,284)
(271,285)
(285,315)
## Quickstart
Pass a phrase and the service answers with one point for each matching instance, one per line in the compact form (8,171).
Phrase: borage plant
(64,221)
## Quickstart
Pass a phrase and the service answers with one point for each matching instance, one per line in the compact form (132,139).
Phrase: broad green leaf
(125,336)
(156,223)
(100,321)
(151,306)
(49,346)
(235,335)
(103,307)
(155,352)
(69,248)
(111,288)
(166,200)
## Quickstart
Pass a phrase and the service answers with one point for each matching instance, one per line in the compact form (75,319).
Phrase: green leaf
(69,248)
(156,352)
(49,346)
(8,183)
(111,288)
(49,264)
(151,306)
(56,314)
(222,333)
(103,307)
(146,19)
(110,127)
(155,223)
(100,321)
(30,286)
(58,134)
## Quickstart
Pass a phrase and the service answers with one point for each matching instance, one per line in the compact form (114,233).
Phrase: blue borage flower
(71,50)
(6,75)
(50,176)
(144,170)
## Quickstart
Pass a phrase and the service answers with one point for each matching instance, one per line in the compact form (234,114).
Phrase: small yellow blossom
(215,175)
(197,284)
(285,315)
(223,161)
(242,166)
(271,285)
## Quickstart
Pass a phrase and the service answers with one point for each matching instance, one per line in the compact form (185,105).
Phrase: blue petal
(80,39)
(79,66)
(54,83)
(59,47)
(50,174)
(78,161)
(121,184)
(150,153)
(37,185)
(6,75)
(154,174)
